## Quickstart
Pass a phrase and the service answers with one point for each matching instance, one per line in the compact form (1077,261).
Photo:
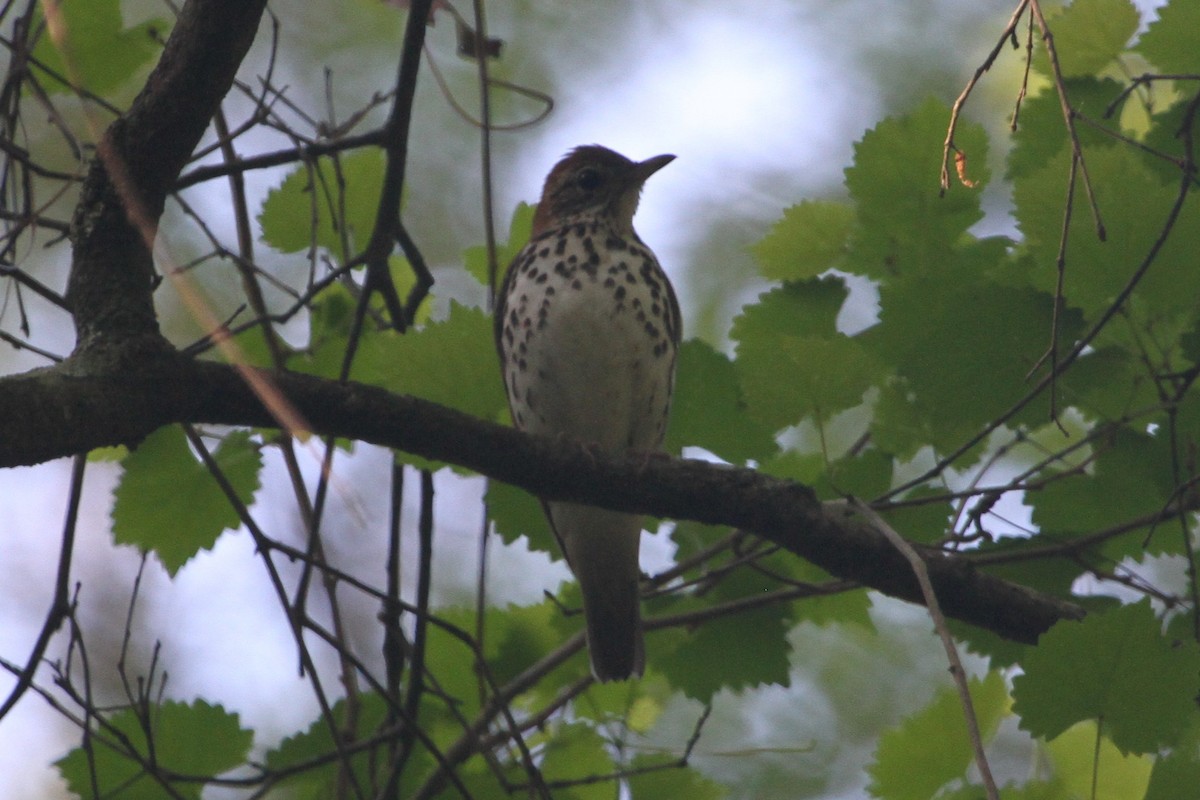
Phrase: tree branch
(137,163)
(77,413)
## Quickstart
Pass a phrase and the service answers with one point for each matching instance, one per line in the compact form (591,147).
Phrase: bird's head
(594,181)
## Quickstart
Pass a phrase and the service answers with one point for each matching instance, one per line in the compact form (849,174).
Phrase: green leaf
(517,513)
(1170,41)
(1178,773)
(521,635)
(1089,35)
(867,474)
(732,652)
(1116,667)
(1107,383)
(932,748)
(963,349)
(926,519)
(1096,271)
(708,409)
(314,747)
(671,781)
(99,54)
(799,308)
(452,361)
(175,730)
(1131,477)
(1042,131)
(807,241)
(340,195)
(168,502)
(792,362)
(905,224)
(790,378)
(475,258)
(576,753)
(1087,768)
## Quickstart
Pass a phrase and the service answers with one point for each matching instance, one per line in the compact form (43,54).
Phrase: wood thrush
(587,327)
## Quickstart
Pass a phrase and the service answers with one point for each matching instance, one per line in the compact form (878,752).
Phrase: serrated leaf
(1116,667)
(921,515)
(314,746)
(672,781)
(708,409)
(1085,767)
(1107,383)
(475,258)
(175,729)
(792,377)
(905,224)
(451,361)
(521,635)
(517,513)
(964,350)
(791,361)
(98,52)
(1097,271)
(167,502)
(577,753)
(732,652)
(932,748)
(1131,477)
(1170,41)
(1042,131)
(1089,35)
(340,196)
(1178,773)
(807,241)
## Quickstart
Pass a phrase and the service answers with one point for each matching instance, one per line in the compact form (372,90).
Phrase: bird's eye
(588,179)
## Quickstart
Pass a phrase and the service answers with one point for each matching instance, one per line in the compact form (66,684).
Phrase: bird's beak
(644,169)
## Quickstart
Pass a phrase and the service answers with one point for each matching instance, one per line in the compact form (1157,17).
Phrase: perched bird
(587,327)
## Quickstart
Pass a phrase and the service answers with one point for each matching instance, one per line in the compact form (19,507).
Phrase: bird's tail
(602,550)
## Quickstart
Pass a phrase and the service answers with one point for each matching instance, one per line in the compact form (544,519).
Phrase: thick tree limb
(77,413)
(136,165)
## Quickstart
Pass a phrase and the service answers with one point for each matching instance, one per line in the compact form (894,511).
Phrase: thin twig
(939,622)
